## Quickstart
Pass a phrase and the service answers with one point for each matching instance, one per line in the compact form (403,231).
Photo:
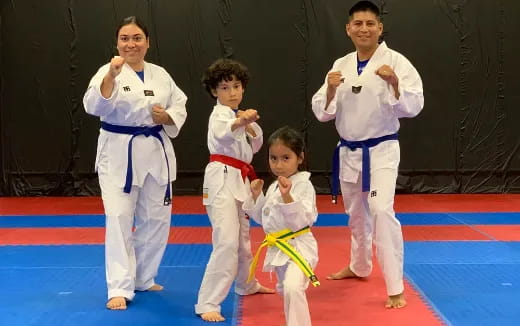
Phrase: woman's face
(132,44)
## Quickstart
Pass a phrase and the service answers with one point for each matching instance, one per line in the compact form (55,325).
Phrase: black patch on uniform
(148,92)
(356,89)
(373,193)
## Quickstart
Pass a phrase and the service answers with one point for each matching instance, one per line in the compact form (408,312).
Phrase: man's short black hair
(364,6)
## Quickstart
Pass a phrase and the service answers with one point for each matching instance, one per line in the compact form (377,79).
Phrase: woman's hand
(107,85)
(116,65)
(160,117)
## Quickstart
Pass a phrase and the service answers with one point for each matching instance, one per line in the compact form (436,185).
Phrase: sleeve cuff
(171,130)
(331,109)
(112,95)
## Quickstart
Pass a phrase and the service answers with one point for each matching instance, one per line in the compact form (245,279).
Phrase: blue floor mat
(64,285)
(21,221)
(467,283)
(77,256)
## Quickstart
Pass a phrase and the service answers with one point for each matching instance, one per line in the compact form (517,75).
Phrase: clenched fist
(248,116)
(284,184)
(334,79)
(160,117)
(387,74)
(256,188)
(116,65)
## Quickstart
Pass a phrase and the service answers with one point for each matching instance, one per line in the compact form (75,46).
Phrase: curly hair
(224,70)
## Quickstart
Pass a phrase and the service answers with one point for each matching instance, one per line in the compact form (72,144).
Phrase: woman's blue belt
(136,131)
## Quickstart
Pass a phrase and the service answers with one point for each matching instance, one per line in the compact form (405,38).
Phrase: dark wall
(466,140)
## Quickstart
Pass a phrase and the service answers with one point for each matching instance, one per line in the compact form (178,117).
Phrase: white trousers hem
(129,295)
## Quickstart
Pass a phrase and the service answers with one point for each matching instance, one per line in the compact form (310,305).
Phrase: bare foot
(395,301)
(264,290)
(212,316)
(156,287)
(116,303)
(344,273)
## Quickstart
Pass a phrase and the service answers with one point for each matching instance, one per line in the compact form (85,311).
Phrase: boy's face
(229,93)
(364,29)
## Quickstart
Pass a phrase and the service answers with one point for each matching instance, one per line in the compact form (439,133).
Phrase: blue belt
(365,162)
(136,131)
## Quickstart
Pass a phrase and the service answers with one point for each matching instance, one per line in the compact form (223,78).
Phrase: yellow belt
(280,240)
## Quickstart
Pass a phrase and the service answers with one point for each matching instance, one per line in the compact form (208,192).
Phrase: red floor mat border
(193,204)
(202,235)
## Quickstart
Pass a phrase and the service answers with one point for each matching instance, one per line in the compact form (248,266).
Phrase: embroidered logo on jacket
(373,193)
(356,89)
(126,88)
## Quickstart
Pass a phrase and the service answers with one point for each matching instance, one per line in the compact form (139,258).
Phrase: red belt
(246,170)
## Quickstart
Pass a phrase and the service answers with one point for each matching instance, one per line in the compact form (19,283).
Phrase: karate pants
(292,284)
(132,258)
(372,217)
(231,255)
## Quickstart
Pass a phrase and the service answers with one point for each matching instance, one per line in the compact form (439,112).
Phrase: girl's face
(282,160)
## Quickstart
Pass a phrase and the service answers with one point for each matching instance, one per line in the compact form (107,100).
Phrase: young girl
(233,138)
(286,213)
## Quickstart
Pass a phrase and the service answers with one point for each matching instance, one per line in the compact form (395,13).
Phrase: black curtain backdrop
(466,140)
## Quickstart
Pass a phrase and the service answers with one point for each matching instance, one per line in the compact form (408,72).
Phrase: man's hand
(387,74)
(334,79)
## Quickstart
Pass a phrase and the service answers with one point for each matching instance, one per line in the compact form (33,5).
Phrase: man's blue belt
(136,131)
(365,162)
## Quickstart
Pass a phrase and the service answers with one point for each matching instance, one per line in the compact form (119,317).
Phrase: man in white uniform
(367,91)
(140,107)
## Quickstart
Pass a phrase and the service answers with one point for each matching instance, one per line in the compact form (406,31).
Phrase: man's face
(364,29)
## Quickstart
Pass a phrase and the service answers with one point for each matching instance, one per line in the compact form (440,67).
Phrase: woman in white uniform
(233,138)
(140,107)
(367,91)
(286,213)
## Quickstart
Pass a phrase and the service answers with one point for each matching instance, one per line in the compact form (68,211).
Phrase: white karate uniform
(274,215)
(132,258)
(224,191)
(372,113)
